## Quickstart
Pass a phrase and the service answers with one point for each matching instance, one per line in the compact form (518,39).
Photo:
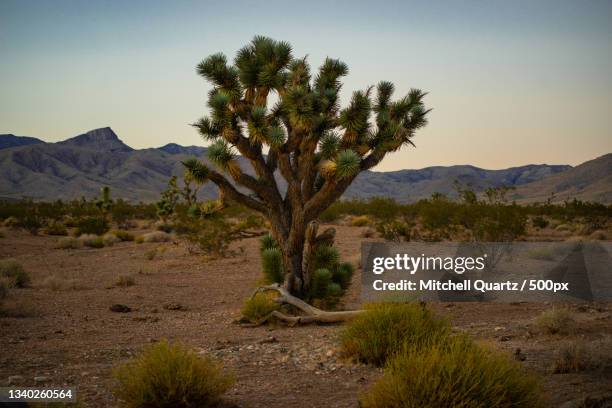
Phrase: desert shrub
(271,265)
(555,321)
(156,236)
(453,373)
(11,222)
(563,228)
(342,274)
(394,230)
(360,221)
(13,271)
(383,329)
(110,239)
(572,358)
(92,225)
(68,243)
(123,235)
(125,280)
(599,235)
(56,228)
(169,375)
(259,306)
(91,241)
(139,239)
(539,222)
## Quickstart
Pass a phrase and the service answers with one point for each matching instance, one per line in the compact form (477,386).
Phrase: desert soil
(67,335)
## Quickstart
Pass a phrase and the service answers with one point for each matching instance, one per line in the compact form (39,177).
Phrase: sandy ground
(70,337)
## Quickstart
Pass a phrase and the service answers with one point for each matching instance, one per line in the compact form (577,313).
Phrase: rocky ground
(61,331)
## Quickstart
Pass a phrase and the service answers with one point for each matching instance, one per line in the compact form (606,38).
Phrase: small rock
(270,339)
(174,306)
(41,379)
(329,353)
(118,308)
(504,338)
(15,380)
(499,328)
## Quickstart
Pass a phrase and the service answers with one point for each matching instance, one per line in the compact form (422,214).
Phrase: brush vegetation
(171,376)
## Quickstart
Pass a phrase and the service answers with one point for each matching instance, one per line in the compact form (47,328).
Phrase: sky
(510,82)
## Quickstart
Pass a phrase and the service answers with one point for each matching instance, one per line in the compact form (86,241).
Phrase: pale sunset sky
(510,82)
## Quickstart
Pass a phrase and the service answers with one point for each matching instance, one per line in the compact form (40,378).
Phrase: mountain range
(79,166)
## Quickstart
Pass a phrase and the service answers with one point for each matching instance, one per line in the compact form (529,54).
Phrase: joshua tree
(303,137)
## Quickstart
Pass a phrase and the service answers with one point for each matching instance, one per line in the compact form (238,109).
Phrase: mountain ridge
(79,165)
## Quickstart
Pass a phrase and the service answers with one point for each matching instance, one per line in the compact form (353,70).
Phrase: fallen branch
(311,313)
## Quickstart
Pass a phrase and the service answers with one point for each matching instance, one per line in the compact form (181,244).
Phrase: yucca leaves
(197,170)
(221,154)
(328,145)
(208,129)
(347,164)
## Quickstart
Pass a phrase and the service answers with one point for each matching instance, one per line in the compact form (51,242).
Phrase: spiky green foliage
(347,164)
(268,242)
(306,137)
(221,154)
(271,264)
(325,256)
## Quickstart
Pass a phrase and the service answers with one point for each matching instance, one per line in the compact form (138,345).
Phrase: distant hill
(80,165)
(11,140)
(413,185)
(590,181)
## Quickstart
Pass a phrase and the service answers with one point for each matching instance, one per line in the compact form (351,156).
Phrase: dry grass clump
(169,375)
(572,358)
(125,280)
(453,373)
(259,306)
(91,240)
(57,283)
(68,243)
(123,235)
(380,332)
(361,221)
(156,236)
(13,272)
(110,239)
(556,321)
(600,235)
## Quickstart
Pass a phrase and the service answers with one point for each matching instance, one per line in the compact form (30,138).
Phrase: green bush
(56,228)
(272,265)
(92,225)
(171,376)
(259,306)
(342,274)
(384,328)
(325,256)
(453,373)
(15,274)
